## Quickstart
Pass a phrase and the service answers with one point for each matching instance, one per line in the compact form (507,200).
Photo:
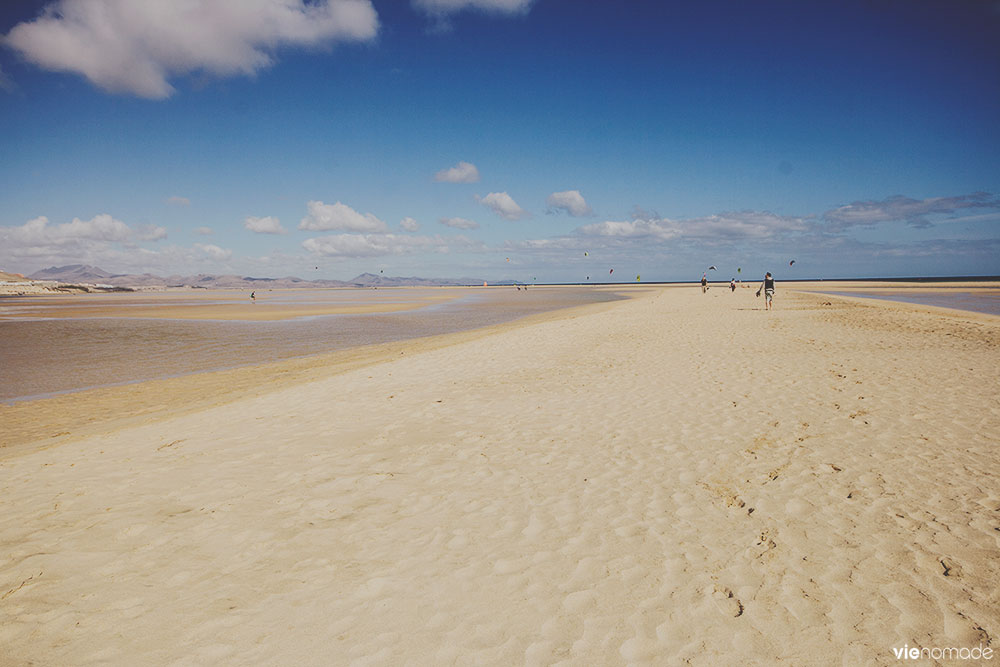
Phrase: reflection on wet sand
(60,344)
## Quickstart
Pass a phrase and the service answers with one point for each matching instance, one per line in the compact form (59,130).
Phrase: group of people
(766,286)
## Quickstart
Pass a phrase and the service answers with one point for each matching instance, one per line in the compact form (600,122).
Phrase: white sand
(679,477)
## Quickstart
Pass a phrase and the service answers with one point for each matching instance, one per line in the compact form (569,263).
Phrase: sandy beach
(677,478)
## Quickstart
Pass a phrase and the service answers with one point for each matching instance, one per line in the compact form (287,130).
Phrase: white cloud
(463,172)
(151,233)
(459,223)
(494,6)
(127,46)
(75,242)
(408,224)
(38,232)
(214,251)
(203,231)
(178,201)
(340,217)
(268,225)
(373,245)
(503,205)
(570,201)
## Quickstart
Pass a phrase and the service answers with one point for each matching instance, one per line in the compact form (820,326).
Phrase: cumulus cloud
(570,201)
(339,217)
(125,46)
(408,224)
(439,7)
(268,225)
(372,245)
(214,251)
(178,201)
(77,241)
(503,205)
(463,172)
(38,232)
(913,212)
(459,223)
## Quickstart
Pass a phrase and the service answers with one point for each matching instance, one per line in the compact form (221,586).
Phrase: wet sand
(188,304)
(60,344)
(676,478)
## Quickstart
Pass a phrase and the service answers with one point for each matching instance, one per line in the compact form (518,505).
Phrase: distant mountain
(80,273)
(371,280)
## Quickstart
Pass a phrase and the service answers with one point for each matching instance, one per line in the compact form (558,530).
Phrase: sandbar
(674,478)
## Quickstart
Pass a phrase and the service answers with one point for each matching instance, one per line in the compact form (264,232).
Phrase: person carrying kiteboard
(768,287)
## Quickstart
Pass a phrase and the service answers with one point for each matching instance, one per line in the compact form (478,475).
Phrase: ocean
(977,300)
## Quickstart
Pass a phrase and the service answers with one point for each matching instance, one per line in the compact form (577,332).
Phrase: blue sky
(501,139)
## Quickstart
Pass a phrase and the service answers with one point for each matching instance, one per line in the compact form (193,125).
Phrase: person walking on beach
(253,296)
(732,284)
(704,283)
(768,287)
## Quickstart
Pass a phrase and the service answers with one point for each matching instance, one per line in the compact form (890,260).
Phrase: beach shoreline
(50,420)
(675,477)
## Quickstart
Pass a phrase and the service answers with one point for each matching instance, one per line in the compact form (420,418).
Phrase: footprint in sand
(951,568)
(726,602)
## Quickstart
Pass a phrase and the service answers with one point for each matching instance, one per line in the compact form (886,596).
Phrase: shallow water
(51,355)
(977,301)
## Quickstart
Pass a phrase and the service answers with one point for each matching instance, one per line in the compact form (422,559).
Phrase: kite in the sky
(738,269)
(585,254)
(712,268)
(611,271)
(791,262)
(637,278)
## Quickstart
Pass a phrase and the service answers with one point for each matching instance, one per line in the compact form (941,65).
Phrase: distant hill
(82,273)
(372,280)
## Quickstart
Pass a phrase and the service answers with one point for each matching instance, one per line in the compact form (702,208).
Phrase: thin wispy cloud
(441,11)
(408,224)
(570,201)
(720,228)
(6,84)
(268,225)
(339,217)
(459,223)
(124,46)
(463,172)
(439,7)
(203,231)
(898,208)
(373,245)
(503,205)
(178,201)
